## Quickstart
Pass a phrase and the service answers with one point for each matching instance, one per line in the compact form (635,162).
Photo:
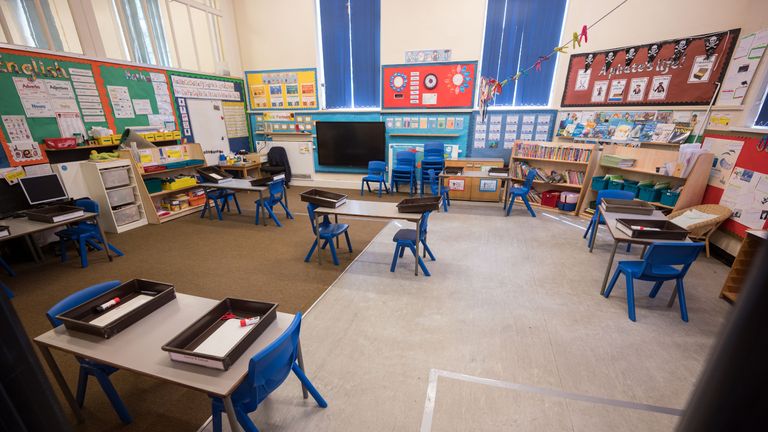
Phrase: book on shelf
(646,135)
(617,161)
(622,131)
(680,134)
(663,132)
(539,151)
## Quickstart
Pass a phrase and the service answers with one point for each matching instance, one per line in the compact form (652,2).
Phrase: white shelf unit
(114,186)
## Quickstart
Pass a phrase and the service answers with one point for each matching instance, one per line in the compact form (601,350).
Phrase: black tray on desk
(498,172)
(613,205)
(418,205)
(182,347)
(54,213)
(323,198)
(457,171)
(214,174)
(655,229)
(79,318)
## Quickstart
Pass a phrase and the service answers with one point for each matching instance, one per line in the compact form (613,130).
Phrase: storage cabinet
(114,186)
(474,189)
(742,263)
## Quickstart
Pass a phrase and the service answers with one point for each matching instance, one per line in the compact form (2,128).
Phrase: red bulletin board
(750,158)
(430,85)
(670,75)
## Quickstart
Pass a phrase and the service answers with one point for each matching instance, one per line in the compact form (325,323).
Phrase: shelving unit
(115,186)
(558,163)
(87,147)
(646,162)
(152,200)
(744,259)
(401,134)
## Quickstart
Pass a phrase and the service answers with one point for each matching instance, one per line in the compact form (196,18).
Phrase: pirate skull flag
(610,56)
(711,43)
(588,61)
(681,45)
(653,51)
(629,55)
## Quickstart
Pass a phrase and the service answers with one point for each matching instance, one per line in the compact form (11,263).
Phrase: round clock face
(458,79)
(430,81)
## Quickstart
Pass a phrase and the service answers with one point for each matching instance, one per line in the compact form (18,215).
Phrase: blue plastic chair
(7,267)
(610,194)
(522,192)
(267,370)
(84,234)
(404,171)
(377,172)
(328,232)
(658,266)
(438,189)
(406,238)
(220,199)
(276,196)
(89,367)
(434,151)
(7,290)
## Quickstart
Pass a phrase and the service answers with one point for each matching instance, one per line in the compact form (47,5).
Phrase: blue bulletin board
(495,136)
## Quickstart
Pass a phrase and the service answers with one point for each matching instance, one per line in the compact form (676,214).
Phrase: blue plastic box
(599,183)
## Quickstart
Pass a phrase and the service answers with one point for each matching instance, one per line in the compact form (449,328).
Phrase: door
(207,120)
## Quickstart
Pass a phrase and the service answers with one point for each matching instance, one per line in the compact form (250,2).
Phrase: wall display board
(496,136)
(739,181)
(410,131)
(228,91)
(746,58)
(433,85)
(672,72)
(44,96)
(294,89)
(137,96)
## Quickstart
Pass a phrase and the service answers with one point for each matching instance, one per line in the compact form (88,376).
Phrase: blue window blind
(350,37)
(762,117)
(517,32)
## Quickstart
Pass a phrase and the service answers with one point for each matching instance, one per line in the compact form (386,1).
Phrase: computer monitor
(43,189)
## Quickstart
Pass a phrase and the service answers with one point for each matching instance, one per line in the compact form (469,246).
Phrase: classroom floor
(509,333)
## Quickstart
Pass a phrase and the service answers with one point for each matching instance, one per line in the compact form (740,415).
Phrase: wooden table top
(23,226)
(372,209)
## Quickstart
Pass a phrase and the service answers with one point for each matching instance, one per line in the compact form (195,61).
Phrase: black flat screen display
(350,144)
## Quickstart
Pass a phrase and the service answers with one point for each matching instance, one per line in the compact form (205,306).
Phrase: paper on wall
(12,175)
(726,153)
(121,101)
(747,195)
(746,58)
(142,106)
(34,97)
(17,128)
(38,170)
(70,124)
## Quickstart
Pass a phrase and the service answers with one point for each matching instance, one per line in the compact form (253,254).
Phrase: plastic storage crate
(568,201)
(650,194)
(120,196)
(154,185)
(115,177)
(631,186)
(127,214)
(615,185)
(179,182)
(669,198)
(599,183)
(550,198)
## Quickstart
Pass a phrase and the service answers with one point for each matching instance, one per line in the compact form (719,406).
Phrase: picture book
(663,132)
(680,134)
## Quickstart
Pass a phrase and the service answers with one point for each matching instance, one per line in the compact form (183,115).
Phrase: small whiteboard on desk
(220,342)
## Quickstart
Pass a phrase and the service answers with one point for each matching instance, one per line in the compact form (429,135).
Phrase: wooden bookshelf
(744,259)
(646,162)
(438,135)
(559,165)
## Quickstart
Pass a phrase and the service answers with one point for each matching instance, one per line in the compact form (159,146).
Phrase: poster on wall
(747,194)
(671,72)
(281,89)
(434,85)
(746,58)
(200,88)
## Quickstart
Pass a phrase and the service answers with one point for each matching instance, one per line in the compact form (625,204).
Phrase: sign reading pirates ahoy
(681,71)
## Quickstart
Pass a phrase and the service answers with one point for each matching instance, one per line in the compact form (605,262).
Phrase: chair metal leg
(589,227)
(272,215)
(419,261)
(672,298)
(394,258)
(428,250)
(287,212)
(308,385)
(681,300)
(656,288)
(82,384)
(237,204)
(511,202)
(631,297)
(83,253)
(380,189)
(63,249)
(117,251)
(215,417)
(114,398)
(362,186)
(349,242)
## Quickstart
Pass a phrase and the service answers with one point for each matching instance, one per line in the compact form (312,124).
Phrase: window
(517,32)
(43,24)
(762,116)
(200,19)
(349,34)
(143,31)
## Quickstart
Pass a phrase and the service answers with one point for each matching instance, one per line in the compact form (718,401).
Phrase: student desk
(621,237)
(472,191)
(25,227)
(473,178)
(241,167)
(138,349)
(370,209)
(245,186)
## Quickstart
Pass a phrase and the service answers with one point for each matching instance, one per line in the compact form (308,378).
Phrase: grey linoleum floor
(509,333)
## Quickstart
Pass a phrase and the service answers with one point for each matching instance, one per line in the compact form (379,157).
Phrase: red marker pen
(248,321)
(107,305)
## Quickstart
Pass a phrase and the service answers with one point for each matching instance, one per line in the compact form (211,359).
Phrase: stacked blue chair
(377,173)
(220,199)
(522,192)
(658,266)
(7,267)
(404,171)
(276,196)
(267,370)
(438,189)
(434,159)
(610,194)
(328,232)
(406,238)
(89,367)
(84,234)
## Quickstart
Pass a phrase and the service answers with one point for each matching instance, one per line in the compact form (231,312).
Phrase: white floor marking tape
(434,374)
